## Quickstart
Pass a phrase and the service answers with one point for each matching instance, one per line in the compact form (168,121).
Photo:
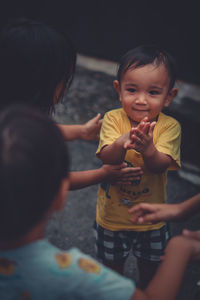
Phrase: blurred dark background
(107,29)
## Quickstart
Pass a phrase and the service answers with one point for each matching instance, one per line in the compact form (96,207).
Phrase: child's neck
(133,123)
(35,234)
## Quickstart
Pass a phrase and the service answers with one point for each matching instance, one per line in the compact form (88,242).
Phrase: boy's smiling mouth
(142,110)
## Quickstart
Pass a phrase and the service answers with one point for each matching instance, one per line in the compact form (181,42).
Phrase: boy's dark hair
(33,162)
(144,55)
(34,59)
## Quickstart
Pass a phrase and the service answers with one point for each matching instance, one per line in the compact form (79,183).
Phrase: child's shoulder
(167,120)
(118,113)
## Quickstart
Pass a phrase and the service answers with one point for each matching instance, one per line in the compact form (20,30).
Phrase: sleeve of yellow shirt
(110,130)
(168,141)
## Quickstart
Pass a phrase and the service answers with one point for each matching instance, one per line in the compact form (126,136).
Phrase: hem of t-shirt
(130,228)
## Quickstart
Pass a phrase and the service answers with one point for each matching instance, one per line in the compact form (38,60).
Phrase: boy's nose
(141,99)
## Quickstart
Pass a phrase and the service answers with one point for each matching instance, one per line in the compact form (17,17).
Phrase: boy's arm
(156,161)
(88,131)
(142,141)
(116,174)
(111,148)
(115,152)
(166,282)
(145,212)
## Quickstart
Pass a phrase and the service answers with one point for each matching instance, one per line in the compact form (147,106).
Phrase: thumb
(97,118)
(123,165)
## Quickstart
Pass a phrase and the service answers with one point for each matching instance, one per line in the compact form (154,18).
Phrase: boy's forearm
(156,161)
(114,153)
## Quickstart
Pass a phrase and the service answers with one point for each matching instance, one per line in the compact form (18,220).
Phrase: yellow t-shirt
(114,201)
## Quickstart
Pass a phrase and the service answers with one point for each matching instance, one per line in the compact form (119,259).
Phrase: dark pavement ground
(90,93)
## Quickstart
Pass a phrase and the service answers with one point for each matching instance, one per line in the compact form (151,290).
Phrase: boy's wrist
(119,146)
(149,151)
(122,139)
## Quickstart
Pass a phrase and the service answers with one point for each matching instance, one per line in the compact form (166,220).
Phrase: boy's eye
(131,90)
(153,92)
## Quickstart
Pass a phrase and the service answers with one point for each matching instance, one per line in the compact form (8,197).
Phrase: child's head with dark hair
(34,60)
(145,82)
(145,55)
(33,163)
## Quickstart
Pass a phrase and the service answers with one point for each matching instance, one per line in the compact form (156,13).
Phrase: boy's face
(144,91)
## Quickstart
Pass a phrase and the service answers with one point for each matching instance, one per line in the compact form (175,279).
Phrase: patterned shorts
(116,245)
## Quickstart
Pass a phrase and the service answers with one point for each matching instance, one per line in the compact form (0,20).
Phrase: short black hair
(34,59)
(148,54)
(33,162)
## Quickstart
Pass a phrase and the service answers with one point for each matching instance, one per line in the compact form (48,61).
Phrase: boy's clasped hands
(141,137)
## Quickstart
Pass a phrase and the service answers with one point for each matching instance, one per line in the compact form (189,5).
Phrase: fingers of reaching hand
(194,237)
(132,171)
(128,179)
(128,174)
(98,120)
(93,127)
(128,145)
(138,218)
(146,207)
(191,234)
(144,213)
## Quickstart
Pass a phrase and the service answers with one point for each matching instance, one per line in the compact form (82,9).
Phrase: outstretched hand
(193,236)
(145,212)
(191,246)
(91,129)
(121,174)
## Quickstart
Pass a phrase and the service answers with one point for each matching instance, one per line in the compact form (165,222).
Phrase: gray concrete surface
(90,93)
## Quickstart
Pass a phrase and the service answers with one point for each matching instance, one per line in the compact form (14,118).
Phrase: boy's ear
(116,86)
(171,95)
(60,199)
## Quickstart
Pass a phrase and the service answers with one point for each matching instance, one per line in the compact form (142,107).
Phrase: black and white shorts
(116,245)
